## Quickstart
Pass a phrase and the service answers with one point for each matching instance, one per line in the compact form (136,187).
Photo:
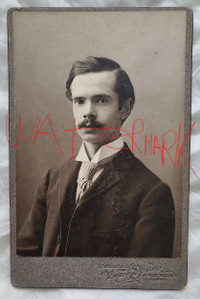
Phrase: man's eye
(79,101)
(102,100)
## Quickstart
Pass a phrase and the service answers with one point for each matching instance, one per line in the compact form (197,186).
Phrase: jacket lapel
(106,180)
(110,176)
(67,182)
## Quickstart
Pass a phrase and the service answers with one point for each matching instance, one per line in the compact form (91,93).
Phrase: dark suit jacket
(127,212)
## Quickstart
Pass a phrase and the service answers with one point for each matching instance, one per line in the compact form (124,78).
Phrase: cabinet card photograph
(99,130)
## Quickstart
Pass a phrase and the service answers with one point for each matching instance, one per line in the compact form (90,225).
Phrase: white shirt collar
(104,151)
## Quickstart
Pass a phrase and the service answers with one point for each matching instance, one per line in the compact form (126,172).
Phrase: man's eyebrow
(103,95)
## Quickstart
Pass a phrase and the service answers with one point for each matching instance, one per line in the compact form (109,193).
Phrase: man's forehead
(94,82)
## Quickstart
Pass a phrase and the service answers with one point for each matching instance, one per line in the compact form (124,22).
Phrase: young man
(106,202)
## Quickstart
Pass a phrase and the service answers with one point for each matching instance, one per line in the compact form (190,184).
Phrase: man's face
(96,106)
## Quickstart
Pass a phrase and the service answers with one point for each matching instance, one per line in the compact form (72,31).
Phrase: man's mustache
(90,124)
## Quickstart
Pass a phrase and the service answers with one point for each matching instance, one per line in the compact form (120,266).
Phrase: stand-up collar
(105,151)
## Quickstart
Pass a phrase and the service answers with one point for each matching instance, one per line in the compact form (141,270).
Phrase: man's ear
(126,109)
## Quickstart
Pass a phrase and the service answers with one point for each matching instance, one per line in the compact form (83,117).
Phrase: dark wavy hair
(123,86)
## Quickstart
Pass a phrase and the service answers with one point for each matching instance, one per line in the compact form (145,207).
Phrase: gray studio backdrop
(149,46)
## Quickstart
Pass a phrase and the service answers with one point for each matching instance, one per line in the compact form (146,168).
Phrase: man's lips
(92,126)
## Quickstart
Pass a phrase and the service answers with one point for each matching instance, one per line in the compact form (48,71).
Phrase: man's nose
(90,111)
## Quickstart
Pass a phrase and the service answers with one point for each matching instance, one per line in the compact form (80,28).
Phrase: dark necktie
(88,170)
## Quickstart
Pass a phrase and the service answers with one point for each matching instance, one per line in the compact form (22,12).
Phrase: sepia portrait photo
(99,143)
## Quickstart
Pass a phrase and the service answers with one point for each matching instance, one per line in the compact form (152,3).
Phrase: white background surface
(193,288)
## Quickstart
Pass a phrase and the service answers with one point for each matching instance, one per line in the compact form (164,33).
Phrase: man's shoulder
(63,165)
(137,170)
(67,166)
(136,175)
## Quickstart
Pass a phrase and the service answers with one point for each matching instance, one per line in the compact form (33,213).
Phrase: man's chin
(90,136)
(97,140)
(95,136)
